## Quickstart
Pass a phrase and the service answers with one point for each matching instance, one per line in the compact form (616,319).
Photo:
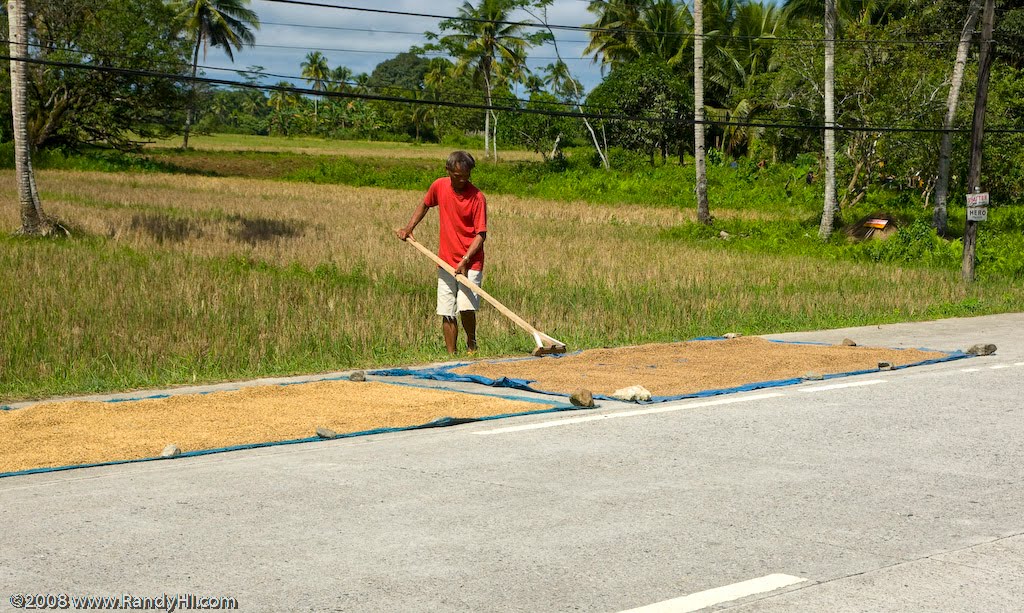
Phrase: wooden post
(978,133)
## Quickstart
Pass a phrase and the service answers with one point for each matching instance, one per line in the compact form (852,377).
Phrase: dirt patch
(164,228)
(254,230)
(68,433)
(673,369)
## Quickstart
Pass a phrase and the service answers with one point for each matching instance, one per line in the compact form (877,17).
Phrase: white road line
(998,366)
(1018,363)
(718,595)
(970,369)
(836,386)
(661,409)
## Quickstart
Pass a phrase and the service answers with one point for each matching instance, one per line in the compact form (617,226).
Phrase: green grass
(177,278)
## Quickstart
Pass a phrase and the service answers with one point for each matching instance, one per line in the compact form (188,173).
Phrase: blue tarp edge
(443,373)
(436,423)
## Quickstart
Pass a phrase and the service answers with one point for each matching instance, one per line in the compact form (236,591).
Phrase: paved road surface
(896,491)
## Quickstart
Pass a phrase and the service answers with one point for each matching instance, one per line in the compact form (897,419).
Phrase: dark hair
(460,159)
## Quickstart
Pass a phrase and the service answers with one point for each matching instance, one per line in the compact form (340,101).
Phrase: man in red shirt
(462,213)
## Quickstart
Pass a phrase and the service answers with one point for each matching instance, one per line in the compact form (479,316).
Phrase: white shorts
(453,297)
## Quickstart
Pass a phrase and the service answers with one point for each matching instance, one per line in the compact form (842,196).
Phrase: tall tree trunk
(978,133)
(939,214)
(487,118)
(494,135)
(829,210)
(701,187)
(192,93)
(32,218)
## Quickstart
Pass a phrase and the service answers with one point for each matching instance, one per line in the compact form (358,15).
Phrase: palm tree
(362,83)
(218,23)
(317,73)
(939,215)
(701,185)
(491,49)
(627,29)
(33,221)
(828,212)
(864,12)
(614,29)
(739,46)
(340,78)
(281,100)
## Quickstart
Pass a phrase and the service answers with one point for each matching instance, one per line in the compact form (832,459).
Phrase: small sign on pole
(977,207)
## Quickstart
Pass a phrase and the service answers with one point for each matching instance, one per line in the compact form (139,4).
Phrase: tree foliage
(71,107)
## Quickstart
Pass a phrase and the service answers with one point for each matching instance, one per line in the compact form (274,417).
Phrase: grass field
(175,278)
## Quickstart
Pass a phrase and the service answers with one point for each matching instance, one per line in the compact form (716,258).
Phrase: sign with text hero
(977,207)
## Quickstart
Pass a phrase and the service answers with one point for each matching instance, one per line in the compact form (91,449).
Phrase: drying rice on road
(673,369)
(71,433)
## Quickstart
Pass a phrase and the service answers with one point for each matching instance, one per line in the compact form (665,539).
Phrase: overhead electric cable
(455,104)
(570,28)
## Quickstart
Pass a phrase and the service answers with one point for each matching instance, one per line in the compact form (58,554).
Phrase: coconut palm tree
(282,99)
(701,184)
(629,29)
(33,221)
(864,12)
(316,71)
(340,78)
(828,212)
(227,24)
(362,83)
(488,45)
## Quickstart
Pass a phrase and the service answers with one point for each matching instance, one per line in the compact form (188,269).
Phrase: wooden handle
(538,336)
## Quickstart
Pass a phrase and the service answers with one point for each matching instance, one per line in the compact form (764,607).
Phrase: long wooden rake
(545,343)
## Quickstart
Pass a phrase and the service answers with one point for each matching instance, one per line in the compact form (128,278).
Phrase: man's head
(460,168)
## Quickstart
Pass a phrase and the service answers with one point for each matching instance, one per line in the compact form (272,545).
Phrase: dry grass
(197,278)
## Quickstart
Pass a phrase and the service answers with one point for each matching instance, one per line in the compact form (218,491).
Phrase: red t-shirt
(462,217)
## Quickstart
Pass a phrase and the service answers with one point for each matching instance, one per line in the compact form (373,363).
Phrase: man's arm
(478,242)
(417,217)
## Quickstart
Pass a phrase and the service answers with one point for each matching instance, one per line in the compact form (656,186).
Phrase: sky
(390,35)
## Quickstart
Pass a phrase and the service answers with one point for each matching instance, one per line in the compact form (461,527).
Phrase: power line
(571,28)
(492,107)
(385,52)
(331,81)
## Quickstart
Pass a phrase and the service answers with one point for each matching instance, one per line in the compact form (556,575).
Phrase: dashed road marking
(836,386)
(718,595)
(661,409)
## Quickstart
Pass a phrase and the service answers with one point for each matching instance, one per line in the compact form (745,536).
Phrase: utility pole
(978,133)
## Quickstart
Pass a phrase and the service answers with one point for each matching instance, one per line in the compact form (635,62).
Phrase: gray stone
(170,451)
(848,343)
(633,393)
(582,398)
(813,376)
(724,235)
(982,349)
(884,366)
(359,375)
(731,335)
(326,433)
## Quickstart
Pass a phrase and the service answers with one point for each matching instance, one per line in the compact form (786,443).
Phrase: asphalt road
(895,491)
